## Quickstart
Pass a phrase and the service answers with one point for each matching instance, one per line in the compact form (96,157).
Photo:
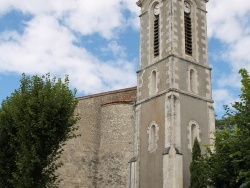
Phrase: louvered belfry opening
(188,34)
(156,36)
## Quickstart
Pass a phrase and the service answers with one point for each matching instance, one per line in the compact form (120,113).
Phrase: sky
(96,43)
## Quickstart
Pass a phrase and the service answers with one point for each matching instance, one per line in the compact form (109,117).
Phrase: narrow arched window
(152,137)
(153,140)
(188,28)
(193,133)
(192,80)
(153,82)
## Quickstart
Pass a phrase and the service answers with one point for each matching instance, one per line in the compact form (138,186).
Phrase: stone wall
(116,145)
(99,157)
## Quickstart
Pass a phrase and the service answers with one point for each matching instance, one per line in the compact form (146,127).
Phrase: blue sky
(97,44)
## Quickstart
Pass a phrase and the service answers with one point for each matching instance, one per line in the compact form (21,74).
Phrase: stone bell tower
(174,100)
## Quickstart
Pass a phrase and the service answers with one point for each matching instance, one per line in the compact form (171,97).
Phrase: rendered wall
(151,163)
(192,109)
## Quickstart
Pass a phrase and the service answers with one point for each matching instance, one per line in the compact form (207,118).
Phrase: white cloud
(84,16)
(231,80)
(222,97)
(239,53)
(48,41)
(229,22)
(45,46)
(114,48)
(226,18)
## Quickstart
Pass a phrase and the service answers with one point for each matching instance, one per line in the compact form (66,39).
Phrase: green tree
(35,122)
(242,122)
(227,166)
(196,178)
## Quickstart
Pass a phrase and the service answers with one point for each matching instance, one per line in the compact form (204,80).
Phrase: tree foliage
(227,166)
(35,122)
(196,179)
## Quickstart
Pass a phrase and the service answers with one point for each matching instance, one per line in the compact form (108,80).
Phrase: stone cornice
(175,90)
(175,56)
(139,3)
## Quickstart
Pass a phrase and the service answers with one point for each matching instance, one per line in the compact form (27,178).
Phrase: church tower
(174,100)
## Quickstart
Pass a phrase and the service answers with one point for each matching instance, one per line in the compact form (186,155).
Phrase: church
(142,137)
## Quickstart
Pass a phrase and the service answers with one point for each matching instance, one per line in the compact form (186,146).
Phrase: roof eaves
(107,93)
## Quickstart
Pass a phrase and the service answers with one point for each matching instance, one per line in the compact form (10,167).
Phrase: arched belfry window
(188,28)
(153,130)
(193,132)
(156,40)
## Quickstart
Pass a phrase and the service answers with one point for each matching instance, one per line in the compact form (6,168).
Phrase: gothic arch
(193,132)
(192,17)
(153,136)
(154,29)
(153,82)
(192,80)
